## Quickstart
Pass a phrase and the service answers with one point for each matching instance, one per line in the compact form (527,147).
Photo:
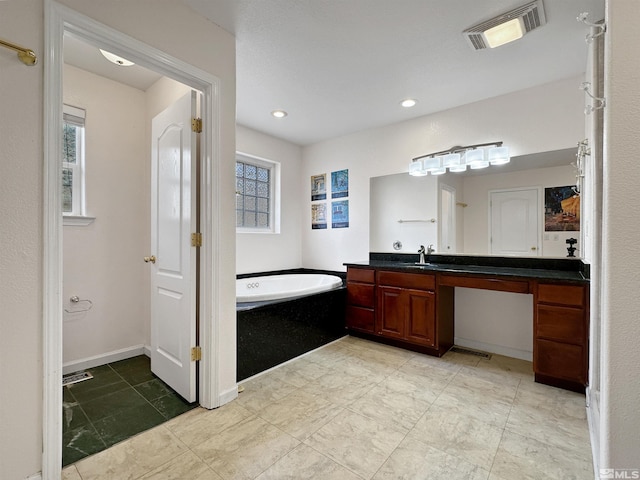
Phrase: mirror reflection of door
(447,219)
(514,225)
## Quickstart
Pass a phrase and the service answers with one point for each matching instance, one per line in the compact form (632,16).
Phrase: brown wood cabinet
(560,353)
(416,311)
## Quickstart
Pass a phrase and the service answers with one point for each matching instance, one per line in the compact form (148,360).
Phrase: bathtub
(276,287)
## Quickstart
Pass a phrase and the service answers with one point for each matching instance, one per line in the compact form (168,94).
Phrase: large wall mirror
(525,208)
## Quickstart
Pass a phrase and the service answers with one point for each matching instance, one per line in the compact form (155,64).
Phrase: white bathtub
(275,287)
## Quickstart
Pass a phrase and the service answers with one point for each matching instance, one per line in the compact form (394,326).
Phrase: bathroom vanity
(392,299)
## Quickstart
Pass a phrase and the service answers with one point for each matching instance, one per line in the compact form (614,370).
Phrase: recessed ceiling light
(408,103)
(279,113)
(122,62)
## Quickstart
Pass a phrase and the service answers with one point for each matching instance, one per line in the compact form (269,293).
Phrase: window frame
(274,193)
(76,116)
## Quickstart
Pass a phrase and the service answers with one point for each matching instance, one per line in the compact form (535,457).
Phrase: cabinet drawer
(360,294)
(562,294)
(361,275)
(407,280)
(561,323)
(560,360)
(360,318)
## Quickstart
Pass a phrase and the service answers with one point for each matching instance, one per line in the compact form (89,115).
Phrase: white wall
(534,120)
(21,130)
(476,214)
(262,252)
(103,261)
(620,355)
(167,25)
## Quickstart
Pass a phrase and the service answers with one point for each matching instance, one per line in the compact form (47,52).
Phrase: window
(73,161)
(256,203)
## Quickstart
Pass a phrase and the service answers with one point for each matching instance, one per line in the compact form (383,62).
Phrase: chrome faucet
(421,252)
(430,249)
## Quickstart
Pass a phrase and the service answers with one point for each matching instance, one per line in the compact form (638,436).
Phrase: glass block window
(255,193)
(73,161)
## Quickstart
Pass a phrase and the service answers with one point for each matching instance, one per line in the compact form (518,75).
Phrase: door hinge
(196,125)
(196,239)
(196,354)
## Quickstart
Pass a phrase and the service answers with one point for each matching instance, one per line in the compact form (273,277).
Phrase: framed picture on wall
(319,187)
(561,209)
(340,184)
(340,214)
(318,216)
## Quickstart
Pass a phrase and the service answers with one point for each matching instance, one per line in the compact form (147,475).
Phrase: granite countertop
(546,269)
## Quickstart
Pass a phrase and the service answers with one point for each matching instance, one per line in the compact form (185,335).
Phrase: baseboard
(228,396)
(105,358)
(593,420)
(497,349)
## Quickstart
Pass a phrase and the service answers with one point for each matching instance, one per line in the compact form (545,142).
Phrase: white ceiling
(340,66)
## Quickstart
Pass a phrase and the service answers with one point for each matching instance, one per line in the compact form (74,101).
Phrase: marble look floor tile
(453,362)
(356,442)
(70,473)
(197,426)
(492,375)
(339,388)
(486,387)
(435,375)
(263,390)
(416,460)
(300,414)
(550,399)
(132,458)
(395,402)
(509,365)
(246,450)
(186,466)
(368,371)
(304,463)
(329,355)
(529,459)
(300,372)
(458,434)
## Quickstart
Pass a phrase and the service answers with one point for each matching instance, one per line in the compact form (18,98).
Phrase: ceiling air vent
(530,16)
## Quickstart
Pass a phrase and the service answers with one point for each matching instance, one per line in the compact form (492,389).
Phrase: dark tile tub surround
(270,333)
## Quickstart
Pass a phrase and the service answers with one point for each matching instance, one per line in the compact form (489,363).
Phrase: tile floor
(359,410)
(121,400)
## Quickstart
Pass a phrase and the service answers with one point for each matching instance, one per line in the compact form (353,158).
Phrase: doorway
(60,21)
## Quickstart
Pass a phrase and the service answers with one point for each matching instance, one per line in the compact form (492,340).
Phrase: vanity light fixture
(457,159)
(507,27)
(121,62)
(279,114)
(408,103)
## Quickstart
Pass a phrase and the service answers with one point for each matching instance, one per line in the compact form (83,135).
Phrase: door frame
(58,20)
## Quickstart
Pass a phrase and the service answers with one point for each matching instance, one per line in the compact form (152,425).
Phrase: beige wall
(102,261)
(166,25)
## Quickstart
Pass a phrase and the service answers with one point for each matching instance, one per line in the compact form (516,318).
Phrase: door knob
(533,249)
(151,259)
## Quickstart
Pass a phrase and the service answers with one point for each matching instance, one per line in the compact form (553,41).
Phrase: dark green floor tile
(127,423)
(80,443)
(134,370)
(172,405)
(72,417)
(67,396)
(104,381)
(153,389)
(112,403)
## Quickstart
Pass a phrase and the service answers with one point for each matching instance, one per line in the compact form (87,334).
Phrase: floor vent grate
(470,352)
(75,378)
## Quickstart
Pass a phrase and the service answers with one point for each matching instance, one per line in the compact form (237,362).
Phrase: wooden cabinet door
(421,321)
(392,312)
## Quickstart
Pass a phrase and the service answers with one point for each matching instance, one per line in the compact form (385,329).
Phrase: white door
(173,270)
(447,219)
(514,222)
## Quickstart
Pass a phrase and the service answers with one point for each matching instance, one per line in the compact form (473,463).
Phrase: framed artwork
(319,216)
(340,184)
(561,209)
(340,214)
(319,187)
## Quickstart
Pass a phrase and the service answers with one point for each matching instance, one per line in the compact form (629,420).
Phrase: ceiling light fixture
(122,62)
(279,113)
(457,159)
(408,103)
(507,27)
